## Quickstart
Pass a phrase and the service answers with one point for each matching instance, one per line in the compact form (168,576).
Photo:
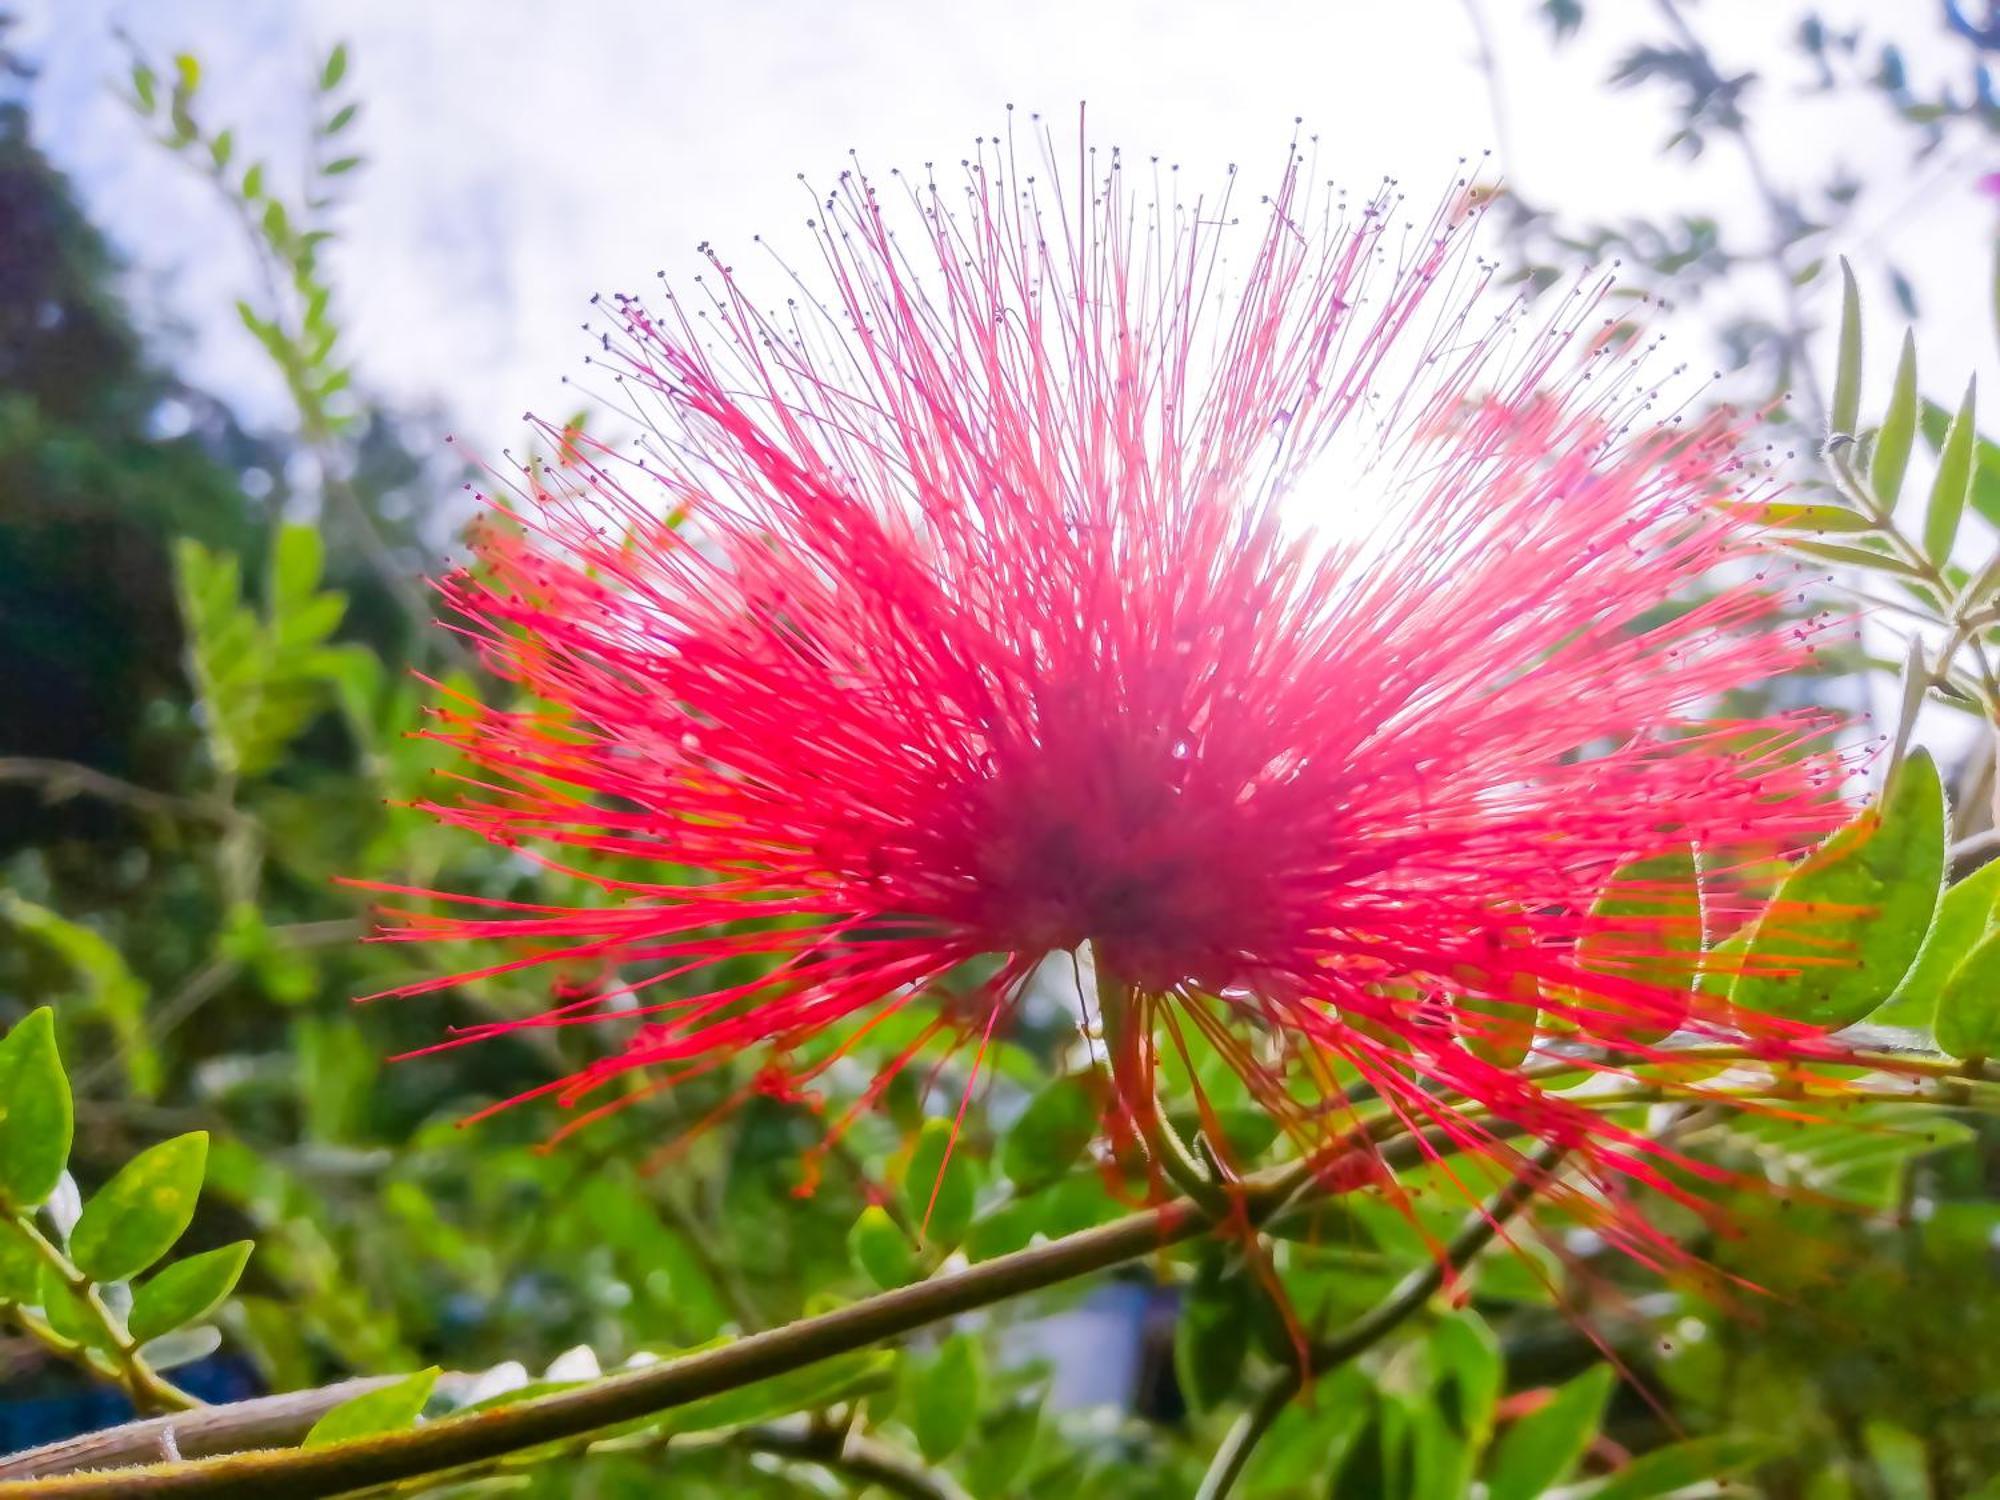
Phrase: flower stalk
(1121,1013)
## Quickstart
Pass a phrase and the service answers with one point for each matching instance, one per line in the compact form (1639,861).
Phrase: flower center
(1137,850)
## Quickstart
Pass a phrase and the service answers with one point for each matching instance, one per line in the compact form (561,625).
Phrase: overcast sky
(524,155)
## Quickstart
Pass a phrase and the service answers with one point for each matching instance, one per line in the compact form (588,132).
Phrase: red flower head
(1207,585)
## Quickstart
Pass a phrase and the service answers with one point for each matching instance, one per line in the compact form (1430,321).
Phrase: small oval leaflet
(186,1290)
(1968,1013)
(1539,1451)
(1849,920)
(940,1186)
(1647,928)
(1965,915)
(880,1250)
(946,1397)
(36,1120)
(388,1408)
(1053,1131)
(135,1218)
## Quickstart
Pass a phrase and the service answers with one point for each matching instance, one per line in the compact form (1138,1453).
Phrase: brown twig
(58,780)
(267,1422)
(477,1439)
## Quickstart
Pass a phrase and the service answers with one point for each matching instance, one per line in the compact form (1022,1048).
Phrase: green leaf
(1723,962)
(941,1185)
(1854,557)
(259,684)
(36,1116)
(1916,679)
(186,1290)
(1953,480)
(1845,413)
(341,166)
(388,1408)
(1501,1032)
(114,994)
(1053,1131)
(1064,1207)
(135,1218)
(1797,515)
(181,1347)
(1968,1012)
(297,561)
(67,1313)
(881,1250)
(145,88)
(1005,1443)
(1899,425)
(20,1270)
(342,118)
(1665,1470)
(1934,421)
(1538,1451)
(1646,928)
(1438,1464)
(187,72)
(944,1397)
(1212,1334)
(335,68)
(1469,1374)
(1372,1466)
(277,226)
(1964,916)
(1850,918)
(816,1385)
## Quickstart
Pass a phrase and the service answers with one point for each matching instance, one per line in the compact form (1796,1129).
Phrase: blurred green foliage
(209,730)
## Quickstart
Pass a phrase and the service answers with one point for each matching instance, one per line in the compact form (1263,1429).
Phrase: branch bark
(458,1442)
(204,1432)
(303,1474)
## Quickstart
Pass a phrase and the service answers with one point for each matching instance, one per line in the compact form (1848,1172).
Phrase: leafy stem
(1368,1330)
(1955,608)
(479,1438)
(1128,1039)
(150,1391)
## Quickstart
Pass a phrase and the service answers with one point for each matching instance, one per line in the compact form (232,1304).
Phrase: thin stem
(480,1438)
(1121,1013)
(59,779)
(837,1449)
(1858,492)
(150,1391)
(1373,1326)
(1243,1437)
(303,1474)
(1983,842)
(1912,1064)
(867,1459)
